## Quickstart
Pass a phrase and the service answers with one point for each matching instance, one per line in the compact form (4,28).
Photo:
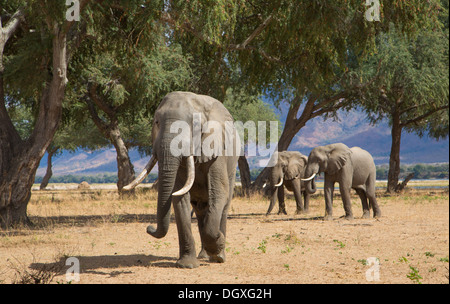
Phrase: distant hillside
(352,129)
(92,162)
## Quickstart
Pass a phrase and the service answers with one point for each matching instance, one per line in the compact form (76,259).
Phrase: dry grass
(107,235)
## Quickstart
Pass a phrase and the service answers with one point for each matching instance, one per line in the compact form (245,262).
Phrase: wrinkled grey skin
(351,168)
(290,167)
(213,186)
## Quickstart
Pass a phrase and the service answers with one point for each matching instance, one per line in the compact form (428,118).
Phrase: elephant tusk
(280,183)
(309,178)
(265,184)
(190,178)
(151,163)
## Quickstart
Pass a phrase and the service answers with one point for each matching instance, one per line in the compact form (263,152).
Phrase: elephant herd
(202,175)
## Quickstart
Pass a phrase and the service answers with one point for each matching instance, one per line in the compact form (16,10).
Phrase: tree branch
(92,91)
(101,125)
(330,100)
(6,124)
(166,17)
(256,32)
(11,26)
(421,117)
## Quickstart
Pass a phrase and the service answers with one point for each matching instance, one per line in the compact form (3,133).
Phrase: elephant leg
(273,199)
(328,191)
(372,199)
(298,196)
(346,200)
(306,200)
(200,209)
(281,205)
(213,239)
(365,206)
(182,208)
(211,234)
(223,221)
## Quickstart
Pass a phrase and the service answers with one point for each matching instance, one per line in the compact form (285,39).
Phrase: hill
(352,129)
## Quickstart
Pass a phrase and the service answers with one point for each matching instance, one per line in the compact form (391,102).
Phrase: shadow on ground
(97,264)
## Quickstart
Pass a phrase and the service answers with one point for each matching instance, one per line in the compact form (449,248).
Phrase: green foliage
(421,171)
(408,81)
(244,107)
(132,68)
(101,178)
(262,246)
(414,275)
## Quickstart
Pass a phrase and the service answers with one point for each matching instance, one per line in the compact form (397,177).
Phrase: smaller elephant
(351,168)
(288,171)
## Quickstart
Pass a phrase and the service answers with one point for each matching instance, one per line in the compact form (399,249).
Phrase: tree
(71,136)
(409,86)
(37,44)
(122,82)
(248,108)
(303,52)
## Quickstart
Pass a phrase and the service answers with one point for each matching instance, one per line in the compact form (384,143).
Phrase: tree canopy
(408,84)
(121,57)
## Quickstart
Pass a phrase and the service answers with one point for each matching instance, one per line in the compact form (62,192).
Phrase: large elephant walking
(199,174)
(351,168)
(287,172)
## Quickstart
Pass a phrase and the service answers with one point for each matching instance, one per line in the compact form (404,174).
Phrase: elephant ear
(337,158)
(218,132)
(296,167)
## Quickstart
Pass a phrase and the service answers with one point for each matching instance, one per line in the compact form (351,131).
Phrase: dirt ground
(409,244)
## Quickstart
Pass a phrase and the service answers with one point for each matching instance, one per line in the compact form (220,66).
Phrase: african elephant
(200,174)
(351,168)
(288,171)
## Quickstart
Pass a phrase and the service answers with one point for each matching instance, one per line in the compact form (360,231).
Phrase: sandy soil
(107,236)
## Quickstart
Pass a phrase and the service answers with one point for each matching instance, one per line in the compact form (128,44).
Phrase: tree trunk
(19,159)
(244,171)
(291,128)
(125,169)
(402,186)
(49,172)
(394,160)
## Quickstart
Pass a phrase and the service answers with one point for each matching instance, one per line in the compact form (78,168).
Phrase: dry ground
(107,235)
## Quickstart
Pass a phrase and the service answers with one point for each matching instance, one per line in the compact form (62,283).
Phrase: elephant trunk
(311,186)
(309,180)
(168,166)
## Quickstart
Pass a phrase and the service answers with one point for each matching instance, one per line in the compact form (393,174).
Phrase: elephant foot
(366,215)
(282,212)
(328,217)
(187,262)
(219,258)
(348,217)
(304,211)
(377,214)
(202,254)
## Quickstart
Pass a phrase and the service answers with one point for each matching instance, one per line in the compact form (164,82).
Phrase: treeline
(421,171)
(102,178)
